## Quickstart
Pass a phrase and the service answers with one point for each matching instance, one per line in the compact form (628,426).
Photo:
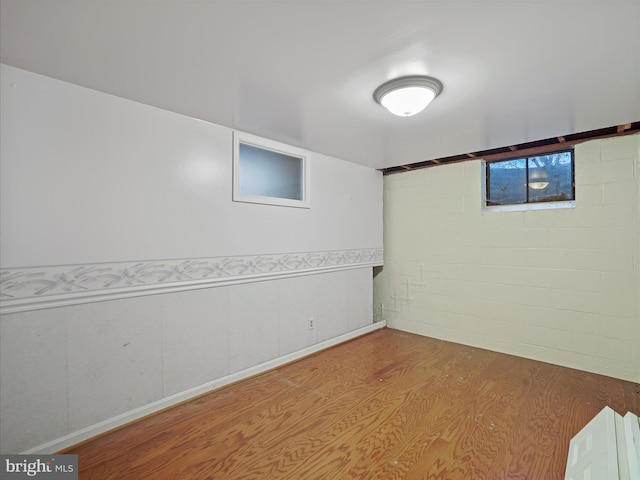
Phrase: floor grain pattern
(388,405)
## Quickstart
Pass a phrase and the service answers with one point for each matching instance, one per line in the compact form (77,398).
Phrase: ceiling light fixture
(406,96)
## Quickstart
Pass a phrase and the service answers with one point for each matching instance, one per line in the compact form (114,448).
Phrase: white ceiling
(303,72)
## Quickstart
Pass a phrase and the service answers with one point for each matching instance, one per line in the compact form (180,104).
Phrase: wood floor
(388,405)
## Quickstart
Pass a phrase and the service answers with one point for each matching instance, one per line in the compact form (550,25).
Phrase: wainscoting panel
(71,372)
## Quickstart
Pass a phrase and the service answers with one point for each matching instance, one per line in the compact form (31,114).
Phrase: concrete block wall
(558,285)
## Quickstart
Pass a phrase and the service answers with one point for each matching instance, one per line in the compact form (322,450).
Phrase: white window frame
(271,145)
(525,207)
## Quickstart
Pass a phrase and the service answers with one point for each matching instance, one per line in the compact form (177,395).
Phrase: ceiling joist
(524,149)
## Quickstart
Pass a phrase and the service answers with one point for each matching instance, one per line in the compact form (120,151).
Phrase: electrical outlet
(310,323)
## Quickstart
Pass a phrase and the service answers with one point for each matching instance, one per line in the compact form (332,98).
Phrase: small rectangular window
(269,172)
(536,179)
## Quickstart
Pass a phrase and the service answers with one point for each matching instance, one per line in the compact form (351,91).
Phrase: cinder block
(618,170)
(588,173)
(618,327)
(621,237)
(623,192)
(585,237)
(588,152)
(589,194)
(620,147)
(492,219)
(606,260)
(560,218)
(623,283)
(605,216)
(579,280)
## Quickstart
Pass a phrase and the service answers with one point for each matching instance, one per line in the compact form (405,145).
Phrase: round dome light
(407,96)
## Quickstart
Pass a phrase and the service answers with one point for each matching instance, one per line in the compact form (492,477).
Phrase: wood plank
(387,405)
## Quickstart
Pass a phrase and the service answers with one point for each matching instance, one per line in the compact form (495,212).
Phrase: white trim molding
(33,288)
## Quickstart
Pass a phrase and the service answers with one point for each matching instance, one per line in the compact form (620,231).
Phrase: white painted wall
(89,180)
(88,177)
(561,286)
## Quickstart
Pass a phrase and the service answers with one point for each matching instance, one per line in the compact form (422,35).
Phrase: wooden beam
(526,152)
(542,147)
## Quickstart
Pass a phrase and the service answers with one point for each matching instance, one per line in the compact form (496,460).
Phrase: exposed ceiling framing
(538,147)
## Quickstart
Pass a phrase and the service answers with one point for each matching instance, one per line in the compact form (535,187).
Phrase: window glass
(269,172)
(542,178)
(550,178)
(507,182)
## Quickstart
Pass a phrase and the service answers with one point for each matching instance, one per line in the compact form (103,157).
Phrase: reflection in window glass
(550,178)
(543,178)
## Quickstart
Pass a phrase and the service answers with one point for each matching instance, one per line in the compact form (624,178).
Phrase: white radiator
(607,448)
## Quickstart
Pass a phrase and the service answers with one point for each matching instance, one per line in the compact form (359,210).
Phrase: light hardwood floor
(388,405)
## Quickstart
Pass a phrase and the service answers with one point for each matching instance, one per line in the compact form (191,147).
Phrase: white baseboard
(120,420)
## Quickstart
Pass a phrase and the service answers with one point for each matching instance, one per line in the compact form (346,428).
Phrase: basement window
(544,180)
(269,172)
